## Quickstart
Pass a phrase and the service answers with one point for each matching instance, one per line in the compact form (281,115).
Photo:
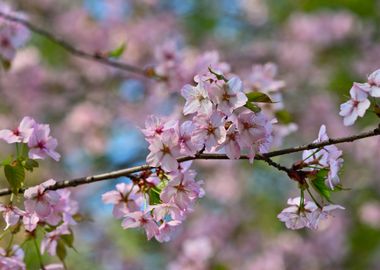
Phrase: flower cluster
(321,168)
(219,122)
(328,157)
(52,209)
(359,102)
(302,213)
(12,35)
(12,260)
(35,136)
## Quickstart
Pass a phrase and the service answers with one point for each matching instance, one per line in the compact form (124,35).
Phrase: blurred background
(95,112)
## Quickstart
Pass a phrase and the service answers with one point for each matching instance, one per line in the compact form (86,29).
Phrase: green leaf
(30,164)
(15,175)
(252,107)
(68,239)
(283,117)
(154,197)
(61,250)
(318,183)
(217,75)
(118,52)
(258,97)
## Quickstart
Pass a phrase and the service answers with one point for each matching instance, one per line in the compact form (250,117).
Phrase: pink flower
(320,214)
(155,126)
(41,144)
(125,199)
(50,241)
(374,82)
(165,210)
(43,202)
(328,157)
(296,217)
(141,219)
(13,261)
(253,127)
(166,230)
(20,134)
(232,143)
(210,130)
(188,147)
(182,190)
(30,221)
(11,214)
(231,96)
(164,151)
(357,105)
(197,99)
(307,215)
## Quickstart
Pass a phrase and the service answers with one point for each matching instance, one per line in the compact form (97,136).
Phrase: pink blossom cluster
(303,213)
(133,202)
(53,208)
(12,35)
(359,102)
(13,259)
(328,157)
(36,136)
(219,122)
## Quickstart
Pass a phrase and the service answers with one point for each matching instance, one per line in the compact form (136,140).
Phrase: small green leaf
(217,75)
(154,197)
(61,250)
(30,164)
(15,175)
(252,107)
(118,52)
(258,97)
(68,239)
(283,117)
(318,183)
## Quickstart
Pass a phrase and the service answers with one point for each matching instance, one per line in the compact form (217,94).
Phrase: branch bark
(78,52)
(206,156)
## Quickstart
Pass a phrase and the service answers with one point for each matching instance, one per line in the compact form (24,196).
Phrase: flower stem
(38,253)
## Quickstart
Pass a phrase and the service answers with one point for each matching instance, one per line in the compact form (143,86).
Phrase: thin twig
(206,156)
(80,53)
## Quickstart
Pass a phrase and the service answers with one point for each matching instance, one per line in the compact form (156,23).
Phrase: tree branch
(206,156)
(80,53)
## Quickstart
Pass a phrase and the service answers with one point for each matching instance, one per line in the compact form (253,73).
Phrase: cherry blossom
(374,82)
(14,261)
(125,199)
(11,214)
(328,157)
(188,146)
(155,126)
(166,230)
(230,96)
(41,144)
(164,151)
(182,190)
(141,219)
(357,105)
(20,134)
(210,130)
(50,241)
(298,214)
(197,99)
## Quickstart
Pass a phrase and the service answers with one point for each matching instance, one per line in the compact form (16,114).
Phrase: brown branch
(80,53)
(206,156)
